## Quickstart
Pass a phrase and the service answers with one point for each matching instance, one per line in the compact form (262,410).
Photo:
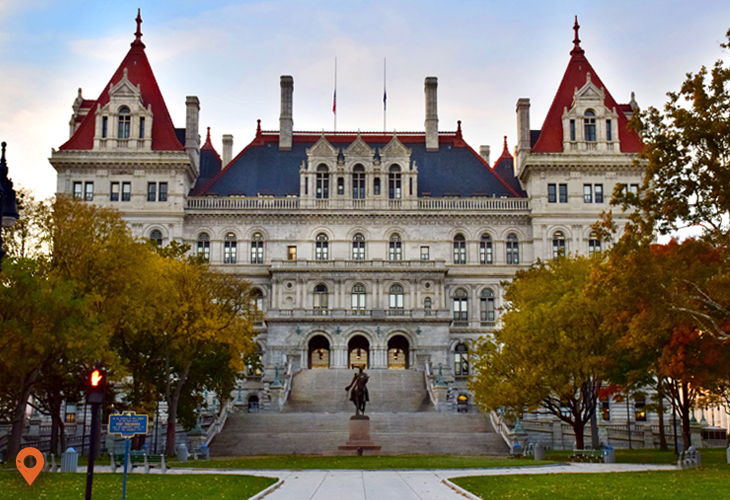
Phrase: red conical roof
(139,72)
(551,134)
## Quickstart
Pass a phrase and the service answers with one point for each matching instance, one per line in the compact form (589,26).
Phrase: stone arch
(399,349)
(319,349)
(358,350)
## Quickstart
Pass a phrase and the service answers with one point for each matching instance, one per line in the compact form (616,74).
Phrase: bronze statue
(359,394)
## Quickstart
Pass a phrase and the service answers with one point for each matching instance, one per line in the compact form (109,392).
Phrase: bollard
(69,460)
(609,455)
(182,452)
(539,452)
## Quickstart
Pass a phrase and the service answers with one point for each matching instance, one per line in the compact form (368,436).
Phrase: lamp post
(8,206)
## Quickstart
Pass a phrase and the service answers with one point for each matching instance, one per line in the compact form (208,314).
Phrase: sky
(486,55)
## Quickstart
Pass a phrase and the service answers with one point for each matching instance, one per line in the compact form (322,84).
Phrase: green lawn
(139,486)
(355,462)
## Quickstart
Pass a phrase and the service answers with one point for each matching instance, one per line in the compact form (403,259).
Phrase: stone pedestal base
(359,435)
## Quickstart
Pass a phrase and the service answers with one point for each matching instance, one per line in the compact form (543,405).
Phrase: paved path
(397,484)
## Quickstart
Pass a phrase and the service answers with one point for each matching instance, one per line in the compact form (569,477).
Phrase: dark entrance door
(358,350)
(319,352)
(398,353)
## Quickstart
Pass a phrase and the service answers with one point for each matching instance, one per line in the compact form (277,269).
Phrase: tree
(551,351)
(688,157)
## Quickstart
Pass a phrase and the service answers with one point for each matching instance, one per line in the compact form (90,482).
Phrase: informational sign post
(127,424)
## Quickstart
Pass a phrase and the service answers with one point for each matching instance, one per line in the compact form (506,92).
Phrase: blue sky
(230,54)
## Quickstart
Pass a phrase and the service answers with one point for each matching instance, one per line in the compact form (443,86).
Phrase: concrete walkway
(397,484)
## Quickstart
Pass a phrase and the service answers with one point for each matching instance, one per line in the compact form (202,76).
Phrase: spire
(505,150)
(576,41)
(138,35)
(207,138)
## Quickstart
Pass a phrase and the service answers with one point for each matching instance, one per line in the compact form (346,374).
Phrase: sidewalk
(397,484)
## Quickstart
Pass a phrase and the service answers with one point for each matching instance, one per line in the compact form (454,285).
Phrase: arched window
(123,119)
(589,122)
(594,244)
(257,249)
(486,256)
(394,183)
(204,246)
(358,247)
(395,251)
(486,307)
(320,300)
(558,244)
(321,250)
(323,182)
(459,249)
(461,361)
(358,297)
(257,304)
(396,299)
(427,302)
(358,182)
(461,307)
(229,249)
(513,250)
(156,237)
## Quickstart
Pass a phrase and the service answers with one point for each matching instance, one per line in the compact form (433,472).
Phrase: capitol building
(378,249)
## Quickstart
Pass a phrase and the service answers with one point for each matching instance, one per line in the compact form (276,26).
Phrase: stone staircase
(315,420)
(391,391)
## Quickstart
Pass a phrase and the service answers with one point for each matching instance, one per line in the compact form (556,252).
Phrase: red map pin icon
(30,473)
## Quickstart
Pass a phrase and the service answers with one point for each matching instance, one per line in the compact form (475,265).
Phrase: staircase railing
(289,378)
(501,427)
(218,423)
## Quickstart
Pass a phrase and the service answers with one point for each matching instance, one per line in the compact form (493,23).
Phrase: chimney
(432,116)
(192,137)
(227,149)
(484,153)
(523,133)
(286,123)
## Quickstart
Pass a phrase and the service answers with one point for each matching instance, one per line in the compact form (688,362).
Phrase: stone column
(432,119)
(286,122)
(227,149)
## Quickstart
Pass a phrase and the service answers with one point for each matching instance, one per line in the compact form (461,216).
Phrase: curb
(461,491)
(268,490)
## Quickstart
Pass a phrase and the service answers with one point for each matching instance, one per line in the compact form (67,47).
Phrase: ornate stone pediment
(395,149)
(359,149)
(322,148)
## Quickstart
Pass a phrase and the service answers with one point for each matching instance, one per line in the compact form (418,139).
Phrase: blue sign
(128,424)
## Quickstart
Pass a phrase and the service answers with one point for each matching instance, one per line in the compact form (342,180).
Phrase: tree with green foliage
(552,351)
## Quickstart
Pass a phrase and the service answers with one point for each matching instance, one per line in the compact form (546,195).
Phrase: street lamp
(8,206)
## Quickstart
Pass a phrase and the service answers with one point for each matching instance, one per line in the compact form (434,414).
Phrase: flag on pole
(334,99)
(385,95)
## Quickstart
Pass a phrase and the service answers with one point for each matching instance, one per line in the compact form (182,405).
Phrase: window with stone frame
(123,122)
(114,191)
(459,249)
(204,246)
(321,247)
(156,237)
(395,191)
(126,191)
(558,244)
(395,299)
(427,304)
(486,307)
(589,126)
(594,243)
(323,183)
(486,255)
(320,300)
(358,247)
(78,190)
(230,245)
(461,360)
(257,249)
(513,249)
(358,182)
(162,194)
(89,191)
(395,250)
(358,297)
(257,306)
(461,307)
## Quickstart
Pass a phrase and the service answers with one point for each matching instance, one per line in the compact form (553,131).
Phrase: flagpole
(334,98)
(385,99)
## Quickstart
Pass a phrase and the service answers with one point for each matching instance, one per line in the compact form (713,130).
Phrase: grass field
(139,486)
(710,481)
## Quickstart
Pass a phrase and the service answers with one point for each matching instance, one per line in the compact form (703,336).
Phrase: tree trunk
(660,413)
(16,432)
(578,429)
(595,444)
(172,404)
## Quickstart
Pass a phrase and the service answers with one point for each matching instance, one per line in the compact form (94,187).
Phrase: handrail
(289,379)
(218,423)
(501,428)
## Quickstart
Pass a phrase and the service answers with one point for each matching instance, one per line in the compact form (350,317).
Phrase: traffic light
(97,386)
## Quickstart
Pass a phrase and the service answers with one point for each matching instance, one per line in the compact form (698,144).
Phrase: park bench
(689,459)
(138,459)
(592,456)
(516,451)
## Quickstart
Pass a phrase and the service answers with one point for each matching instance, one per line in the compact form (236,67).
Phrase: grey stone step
(321,433)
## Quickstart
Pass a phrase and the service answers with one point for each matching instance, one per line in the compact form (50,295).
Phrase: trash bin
(182,452)
(204,452)
(539,452)
(69,460)
(609,455)
(517,450)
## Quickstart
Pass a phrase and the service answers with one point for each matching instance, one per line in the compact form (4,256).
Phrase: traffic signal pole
(93,446)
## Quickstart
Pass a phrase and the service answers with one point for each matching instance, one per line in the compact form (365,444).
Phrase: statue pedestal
(359,435)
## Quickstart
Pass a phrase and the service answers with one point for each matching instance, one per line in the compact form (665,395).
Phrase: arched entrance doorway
(253,404)
(358,350)
(319,352)
(398,353)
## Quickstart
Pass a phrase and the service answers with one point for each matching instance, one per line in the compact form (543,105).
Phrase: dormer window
(589,123)
(323,182)
(124,123)
(104,127)
(141,127)
(609,131)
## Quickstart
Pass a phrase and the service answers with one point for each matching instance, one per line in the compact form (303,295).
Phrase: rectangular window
(552,193)
(634,189)
(410,186)
(89,191)
(340,186)
(114,191)
(306,186)
(141,128)
(376,186)
(587,193)
(104,126)
(425,253)
(126,191)
(162,196)
(572,130)
(609,132)
(151,191)
(563,193)
(605,409)
(78,190)
(291,253)
(598,188)
(640,409)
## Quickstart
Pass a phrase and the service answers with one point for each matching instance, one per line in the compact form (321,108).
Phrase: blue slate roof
(454,170)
